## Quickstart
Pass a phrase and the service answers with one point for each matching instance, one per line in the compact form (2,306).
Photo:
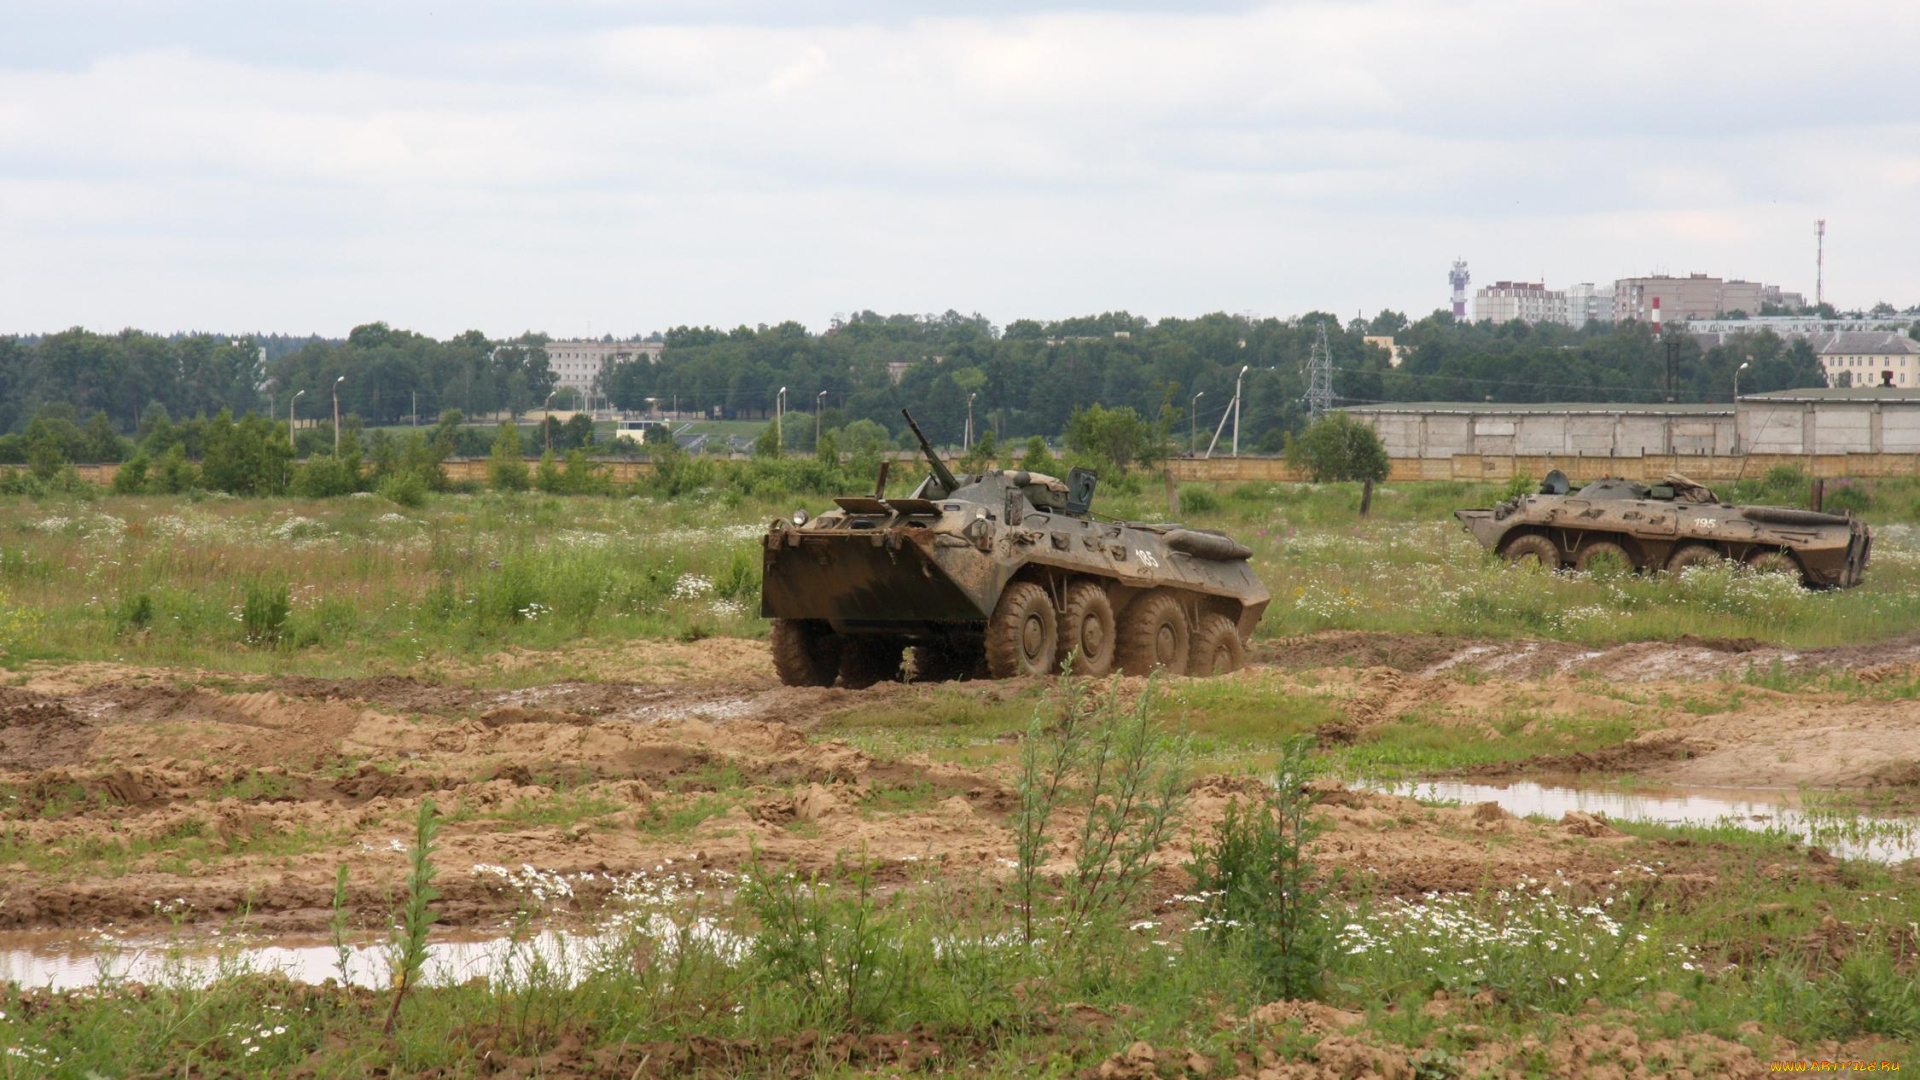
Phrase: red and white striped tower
(1656,316)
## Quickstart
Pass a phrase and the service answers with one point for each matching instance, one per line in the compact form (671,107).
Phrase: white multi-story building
(1528,301)
(577,364)
(1587,302)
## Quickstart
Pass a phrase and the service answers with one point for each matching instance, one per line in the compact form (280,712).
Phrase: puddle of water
(1843,833)
(55,963)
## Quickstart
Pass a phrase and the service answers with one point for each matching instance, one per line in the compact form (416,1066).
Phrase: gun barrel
(940,470)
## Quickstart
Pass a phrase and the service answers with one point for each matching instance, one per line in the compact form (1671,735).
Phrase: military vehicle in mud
(1003,573)
(1670,525)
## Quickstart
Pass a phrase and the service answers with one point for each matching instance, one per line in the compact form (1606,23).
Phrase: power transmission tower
(1319,377)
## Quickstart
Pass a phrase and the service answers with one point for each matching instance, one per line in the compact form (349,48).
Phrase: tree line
(1028,378)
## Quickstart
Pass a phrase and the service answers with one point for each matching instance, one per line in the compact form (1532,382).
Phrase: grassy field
(784,942)
(371,586)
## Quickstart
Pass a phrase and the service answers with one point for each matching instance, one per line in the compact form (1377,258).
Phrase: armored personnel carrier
(1004,573)
(1670,525)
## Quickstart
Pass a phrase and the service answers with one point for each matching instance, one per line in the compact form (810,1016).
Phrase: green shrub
(408,489)
(1198,500)
(1262,893)
(1519,487)
(131,477)
(174,475)
(326,477)
(506,469)
(263,617)
(1848,496)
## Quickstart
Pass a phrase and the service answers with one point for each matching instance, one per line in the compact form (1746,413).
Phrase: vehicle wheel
(1535,547)
(1086,629)
(1217,648)
(1693,555)
(806,652)
(1154,634)
(1773,562)
(1601,555)
(1024,634)
(865,661)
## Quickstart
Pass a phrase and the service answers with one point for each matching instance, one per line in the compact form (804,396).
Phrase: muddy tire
(1693,555)
(1154,634)
(1535,547)
(1087,629)
(865,661)
(1217,648)
(1773,562)
(1023,637)
(806,652)
(1597,554)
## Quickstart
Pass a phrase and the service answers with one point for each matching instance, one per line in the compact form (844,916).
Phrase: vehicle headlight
(800,517)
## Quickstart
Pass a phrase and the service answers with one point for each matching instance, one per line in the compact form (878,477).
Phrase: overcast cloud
(629,166)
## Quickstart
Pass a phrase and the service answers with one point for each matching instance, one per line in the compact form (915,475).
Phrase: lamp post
(967,442)
(780,420)
(546,421)
(290,404)
(1193,421)
(336,414)
(1736,402)
(1236,408)
(819,409)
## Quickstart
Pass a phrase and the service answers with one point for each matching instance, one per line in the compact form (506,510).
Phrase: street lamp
(967,443)
(819,409)
(1236,408)
(780,419)
(1193,421)
(336,414)
(546,422)
(290,403)
(1736,379)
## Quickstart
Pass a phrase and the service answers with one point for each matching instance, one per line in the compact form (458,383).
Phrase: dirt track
(136,786)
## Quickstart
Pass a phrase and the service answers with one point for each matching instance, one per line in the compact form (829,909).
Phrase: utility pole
(1193,420)
(819,409)
(1319,376)
(546,419)
(966,443)
(1820,262)
(290,403)
(336,414)
(416,408)
(1236,409)
(779,420)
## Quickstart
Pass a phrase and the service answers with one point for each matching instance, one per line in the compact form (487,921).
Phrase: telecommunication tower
(1459,278)
(1319,376)
(1820,261)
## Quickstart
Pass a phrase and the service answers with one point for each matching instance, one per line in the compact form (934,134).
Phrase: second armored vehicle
(1670,525)
(1004,573)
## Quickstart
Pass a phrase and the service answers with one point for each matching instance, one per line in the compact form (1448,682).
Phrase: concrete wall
(1759,427)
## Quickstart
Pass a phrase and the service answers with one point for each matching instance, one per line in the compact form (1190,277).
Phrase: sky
(625,166)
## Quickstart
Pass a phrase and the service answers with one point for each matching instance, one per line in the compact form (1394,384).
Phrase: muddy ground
(122,788)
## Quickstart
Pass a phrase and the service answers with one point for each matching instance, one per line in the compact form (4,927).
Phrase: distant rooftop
(1840,393)
(1711,408)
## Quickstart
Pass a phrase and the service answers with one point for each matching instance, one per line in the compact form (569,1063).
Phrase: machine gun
(940,471)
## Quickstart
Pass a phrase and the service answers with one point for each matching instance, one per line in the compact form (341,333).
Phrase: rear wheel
(806,652)
(1773,562)
(865,661)
(1217,648)
(1693,555)
(1024,634)
(1602,555)
(1154,634)
(1536,549)
(1086,629)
